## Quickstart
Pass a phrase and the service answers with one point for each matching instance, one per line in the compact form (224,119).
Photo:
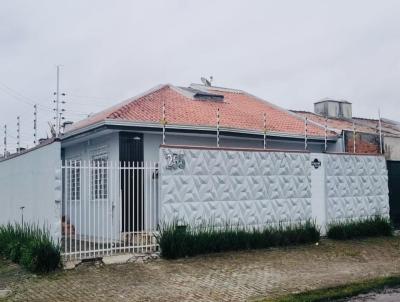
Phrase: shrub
(41,257)
(176,241)
(30,246)
(368,227)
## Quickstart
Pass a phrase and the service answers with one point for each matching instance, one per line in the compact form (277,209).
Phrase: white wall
(94,218)
(85,150)
(246,188)
(255,188)
(318,190)
(356,186)
(29,180)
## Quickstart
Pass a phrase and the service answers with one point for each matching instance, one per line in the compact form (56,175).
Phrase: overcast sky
(291,53)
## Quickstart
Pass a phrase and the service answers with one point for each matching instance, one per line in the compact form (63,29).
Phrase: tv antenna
(207,82)
(53,131)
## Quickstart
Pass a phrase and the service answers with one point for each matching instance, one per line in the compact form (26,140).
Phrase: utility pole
(34,125)
(58,126)
(58,105)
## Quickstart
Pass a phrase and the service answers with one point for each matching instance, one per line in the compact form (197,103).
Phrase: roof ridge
(218,88)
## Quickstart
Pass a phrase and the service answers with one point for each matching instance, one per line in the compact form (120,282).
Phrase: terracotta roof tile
(238,110)
(337,124)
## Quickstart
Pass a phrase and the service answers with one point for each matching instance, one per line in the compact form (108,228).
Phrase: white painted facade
(87,150)
(106,149)
(152,142)
(31,180)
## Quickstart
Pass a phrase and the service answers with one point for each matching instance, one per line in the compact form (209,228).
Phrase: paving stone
(71,264)
(117,259)
(4,293)
(236,276)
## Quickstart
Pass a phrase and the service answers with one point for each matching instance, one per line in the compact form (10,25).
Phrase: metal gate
(108,208)
(394,191)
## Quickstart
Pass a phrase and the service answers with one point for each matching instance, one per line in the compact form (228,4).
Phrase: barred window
(74,180)
(99,183)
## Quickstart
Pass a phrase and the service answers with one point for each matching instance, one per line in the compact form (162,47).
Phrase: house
(337,116)
(133,129)
(194,154)
(362,135)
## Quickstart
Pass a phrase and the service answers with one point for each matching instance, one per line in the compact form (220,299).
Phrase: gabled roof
(197,106)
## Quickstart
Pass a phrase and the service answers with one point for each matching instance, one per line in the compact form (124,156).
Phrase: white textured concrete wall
(356,186)
(32,180)
(255,188)
(246,188)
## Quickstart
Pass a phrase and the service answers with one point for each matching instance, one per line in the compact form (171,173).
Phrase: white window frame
(74,188)
(99,186)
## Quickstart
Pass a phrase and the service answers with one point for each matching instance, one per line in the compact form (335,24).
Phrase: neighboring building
(132,130)
(337,115)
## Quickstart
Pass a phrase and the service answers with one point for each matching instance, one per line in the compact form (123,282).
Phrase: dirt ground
(239,276)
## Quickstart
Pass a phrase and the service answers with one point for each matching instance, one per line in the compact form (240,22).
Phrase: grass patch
(184,241)
(30,246)
(340,292)
(369,227)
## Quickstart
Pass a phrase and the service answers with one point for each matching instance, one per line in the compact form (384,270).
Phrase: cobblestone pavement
(236,276)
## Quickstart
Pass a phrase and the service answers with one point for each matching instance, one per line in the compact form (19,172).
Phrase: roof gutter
(113,122)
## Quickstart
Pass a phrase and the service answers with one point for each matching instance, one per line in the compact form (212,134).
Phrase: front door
(131,158)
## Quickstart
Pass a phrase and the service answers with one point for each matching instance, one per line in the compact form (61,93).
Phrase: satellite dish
(206,82)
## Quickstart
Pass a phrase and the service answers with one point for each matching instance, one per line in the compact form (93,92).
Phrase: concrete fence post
(56,220)
(318,189)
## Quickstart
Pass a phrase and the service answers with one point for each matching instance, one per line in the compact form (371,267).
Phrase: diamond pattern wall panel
(247,188)
(356,186)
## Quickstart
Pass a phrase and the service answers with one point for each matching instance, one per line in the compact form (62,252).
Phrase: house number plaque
(175,161)
(316,163)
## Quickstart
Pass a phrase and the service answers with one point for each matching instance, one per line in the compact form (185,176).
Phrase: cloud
(289,52)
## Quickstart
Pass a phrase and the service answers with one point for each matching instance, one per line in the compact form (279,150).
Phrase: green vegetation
(340,292)
(182,241)
(29,246)
(369,227)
